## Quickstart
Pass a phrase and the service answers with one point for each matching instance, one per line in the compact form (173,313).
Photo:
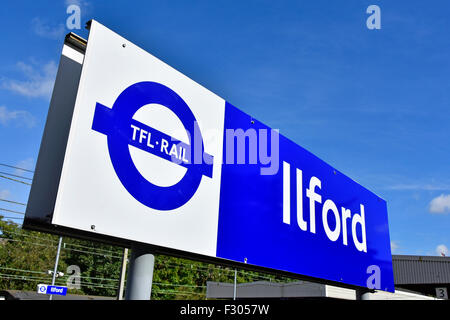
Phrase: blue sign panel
(304,217)
(308,218)
(48,289)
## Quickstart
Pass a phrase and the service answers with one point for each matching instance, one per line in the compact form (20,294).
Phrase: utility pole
(235,284)
(55,270)
(122,274)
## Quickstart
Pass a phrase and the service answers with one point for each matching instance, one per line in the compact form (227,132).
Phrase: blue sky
(375,104)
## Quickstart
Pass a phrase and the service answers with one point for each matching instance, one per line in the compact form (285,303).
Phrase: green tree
(100,265)
(25,257)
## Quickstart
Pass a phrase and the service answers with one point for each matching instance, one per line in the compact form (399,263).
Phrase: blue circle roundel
(122,130)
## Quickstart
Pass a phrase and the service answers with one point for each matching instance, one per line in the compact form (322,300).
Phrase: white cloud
(42,29)
(426,187)
(76,2)
(441,249)
(18,117)
(440,204)
(80,3)
(27,164)
(4,194)
(38,80)
(394,246)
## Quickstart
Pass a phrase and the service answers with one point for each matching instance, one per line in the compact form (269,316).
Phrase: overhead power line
(181,293)
(14,202)
(46,273)
(12,211)
(70,249)
(14,167)
(65,244)
(94,278)
(168,264)
(15,175)
(29,236)
(87,284)
(184,265)
(15,180)
(58,281)
(11,217)
(22,270)
(32,243)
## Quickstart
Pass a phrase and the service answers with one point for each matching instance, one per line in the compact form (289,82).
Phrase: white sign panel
(90,195)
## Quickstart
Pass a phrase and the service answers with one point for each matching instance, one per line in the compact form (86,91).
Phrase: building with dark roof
(422,274)
(415,278)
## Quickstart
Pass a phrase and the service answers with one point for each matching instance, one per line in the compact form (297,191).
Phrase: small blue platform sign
(48,289)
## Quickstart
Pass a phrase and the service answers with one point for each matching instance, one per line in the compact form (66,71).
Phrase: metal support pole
(364,294)
(140,276)
(122,274)
(55,270)
(235,284)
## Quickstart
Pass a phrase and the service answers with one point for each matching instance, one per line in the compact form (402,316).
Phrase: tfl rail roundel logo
(122,130)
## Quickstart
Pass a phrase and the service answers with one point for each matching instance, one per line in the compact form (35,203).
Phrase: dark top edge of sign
(76,42)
